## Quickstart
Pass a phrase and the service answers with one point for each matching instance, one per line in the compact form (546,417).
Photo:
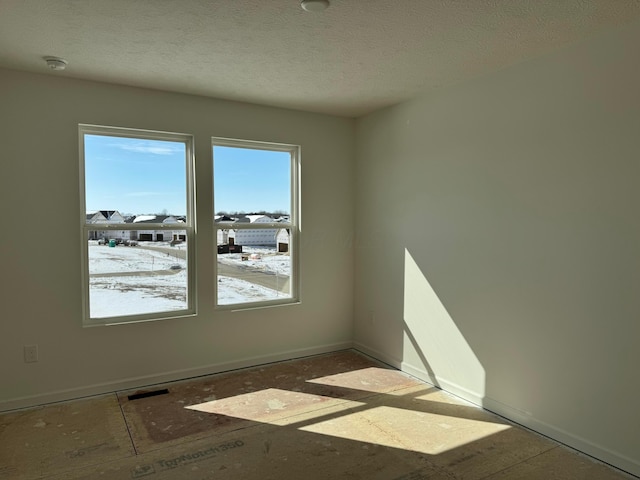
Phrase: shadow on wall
(433,343)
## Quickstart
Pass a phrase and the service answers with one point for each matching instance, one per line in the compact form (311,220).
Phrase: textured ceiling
(356,57)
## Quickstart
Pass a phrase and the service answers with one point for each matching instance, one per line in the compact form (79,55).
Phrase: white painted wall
(40,293)
(498,243)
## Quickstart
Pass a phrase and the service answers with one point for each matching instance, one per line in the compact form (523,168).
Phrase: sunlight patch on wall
(432,342)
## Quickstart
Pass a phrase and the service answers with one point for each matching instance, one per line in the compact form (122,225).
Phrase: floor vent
(153,393)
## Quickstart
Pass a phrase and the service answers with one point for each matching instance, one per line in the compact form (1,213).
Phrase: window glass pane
(255,275)
(133,176)
(130,276)
(137,188)
(248,180)
(252,186)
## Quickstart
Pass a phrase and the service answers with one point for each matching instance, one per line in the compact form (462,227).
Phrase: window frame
(189,226)
(294,224)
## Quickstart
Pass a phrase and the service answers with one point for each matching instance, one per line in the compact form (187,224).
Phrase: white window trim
(294,224)
(189,226)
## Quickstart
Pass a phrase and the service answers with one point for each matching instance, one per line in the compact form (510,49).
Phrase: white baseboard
(443,383)
(526,419)
(576,442)
(420,374)
(164,377)
(394,362)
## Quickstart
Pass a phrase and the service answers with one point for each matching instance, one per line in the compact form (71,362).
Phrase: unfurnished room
(251,239)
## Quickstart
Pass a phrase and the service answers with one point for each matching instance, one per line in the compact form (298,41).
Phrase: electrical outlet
(30,353)
(372,317)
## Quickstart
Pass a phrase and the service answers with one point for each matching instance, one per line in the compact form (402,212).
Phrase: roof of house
(255,218)
(109,213)
(104,215)
(157,219)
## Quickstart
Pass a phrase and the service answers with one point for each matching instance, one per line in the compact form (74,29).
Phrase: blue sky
(249,180)
(138,176)
(134,176)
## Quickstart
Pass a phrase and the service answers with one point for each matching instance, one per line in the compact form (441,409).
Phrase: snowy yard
(260,258)
(138,280)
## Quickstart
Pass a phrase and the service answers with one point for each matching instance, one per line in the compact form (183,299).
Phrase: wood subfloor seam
(519,462)
(126,424)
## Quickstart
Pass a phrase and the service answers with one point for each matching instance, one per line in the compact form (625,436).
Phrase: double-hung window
(137,224)
(256,224)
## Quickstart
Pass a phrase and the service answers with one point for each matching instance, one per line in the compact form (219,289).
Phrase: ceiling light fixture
(314,5)
(55,63)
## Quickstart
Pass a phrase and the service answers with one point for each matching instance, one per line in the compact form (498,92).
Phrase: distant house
(229,234)
(111,217)
(262,237)
(95,217)
(104,217)
(282,239)
(225,236)
(164,235)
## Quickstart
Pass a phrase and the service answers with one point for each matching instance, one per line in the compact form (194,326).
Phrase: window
(256,223)
(137,224)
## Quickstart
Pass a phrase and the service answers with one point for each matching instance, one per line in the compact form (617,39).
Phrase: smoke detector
(55,63)
(314,5)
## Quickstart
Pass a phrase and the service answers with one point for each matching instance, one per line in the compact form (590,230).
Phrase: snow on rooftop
(144,218)
(263,218)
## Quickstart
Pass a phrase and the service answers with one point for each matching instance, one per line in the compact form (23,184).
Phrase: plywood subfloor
(236,400)
(339,415)
(44,441)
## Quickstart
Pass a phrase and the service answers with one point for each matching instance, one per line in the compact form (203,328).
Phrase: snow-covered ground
(104,259)
(132,295)
(260,258)
(150,285)
(136,280)
(257,260)
(234,290)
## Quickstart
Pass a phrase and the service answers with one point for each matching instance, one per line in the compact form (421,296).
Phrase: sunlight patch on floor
(417,431)
(372,379)
(271,404)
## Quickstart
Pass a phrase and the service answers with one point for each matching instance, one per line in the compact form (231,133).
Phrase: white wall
(498,246)
(40,294)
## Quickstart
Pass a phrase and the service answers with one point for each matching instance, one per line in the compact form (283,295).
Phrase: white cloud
(144,147)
